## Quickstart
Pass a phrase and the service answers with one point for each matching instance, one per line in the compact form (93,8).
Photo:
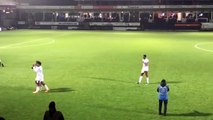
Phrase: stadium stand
(107,14)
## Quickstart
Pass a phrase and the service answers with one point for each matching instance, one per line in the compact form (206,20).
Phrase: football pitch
(92,75)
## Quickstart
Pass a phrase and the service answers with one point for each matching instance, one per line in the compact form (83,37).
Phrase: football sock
(46,87)
(40,87)
(140,79)
(37,88)
(147,80)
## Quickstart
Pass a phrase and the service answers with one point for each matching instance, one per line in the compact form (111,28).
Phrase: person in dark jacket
(1,118)
(53,114)
(163,90)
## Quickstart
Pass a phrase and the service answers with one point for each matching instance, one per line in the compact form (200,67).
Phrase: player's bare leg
(37,87)
(46,87)
(140,78)
(1,64)
(40,87)
(147,77)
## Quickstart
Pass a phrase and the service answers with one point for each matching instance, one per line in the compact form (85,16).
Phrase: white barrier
(114,24)
(206,26)
(21,22)
(56,23)
(125,28)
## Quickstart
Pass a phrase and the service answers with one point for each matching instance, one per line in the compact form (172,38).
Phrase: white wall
(7,2)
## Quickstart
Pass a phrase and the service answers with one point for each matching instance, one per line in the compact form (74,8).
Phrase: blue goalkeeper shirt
(163,92)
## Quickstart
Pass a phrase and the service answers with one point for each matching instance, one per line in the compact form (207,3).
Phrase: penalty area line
(203,49)
(21,44)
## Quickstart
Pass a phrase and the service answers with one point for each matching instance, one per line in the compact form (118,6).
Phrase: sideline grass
(92,74)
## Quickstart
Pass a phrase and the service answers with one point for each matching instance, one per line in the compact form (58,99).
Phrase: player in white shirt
(144,69)
(39,80)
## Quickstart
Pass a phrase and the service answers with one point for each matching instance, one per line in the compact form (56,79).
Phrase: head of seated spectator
(1,118)
(52,113)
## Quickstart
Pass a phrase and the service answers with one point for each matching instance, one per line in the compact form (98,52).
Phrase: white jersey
(39,73)
(145,65)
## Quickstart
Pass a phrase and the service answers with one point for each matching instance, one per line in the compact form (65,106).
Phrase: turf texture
(92,75)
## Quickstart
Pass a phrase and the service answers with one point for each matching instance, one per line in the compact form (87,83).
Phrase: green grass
(97,73)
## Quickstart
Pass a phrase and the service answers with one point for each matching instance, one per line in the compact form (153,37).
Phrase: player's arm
(167,88)
(158,89)
(35,69)
(146,63)
(32,66)
(143,62)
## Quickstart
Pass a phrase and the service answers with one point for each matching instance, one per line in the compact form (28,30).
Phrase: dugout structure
(113,15)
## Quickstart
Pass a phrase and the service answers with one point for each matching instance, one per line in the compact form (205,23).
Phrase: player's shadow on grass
(191,114)
(60,90)
(108,79)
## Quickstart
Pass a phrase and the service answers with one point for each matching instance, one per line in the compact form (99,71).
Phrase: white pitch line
(21,44)
(46,43)
(203,49)
(18,45)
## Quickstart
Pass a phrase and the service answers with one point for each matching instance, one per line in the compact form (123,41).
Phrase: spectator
(1,118)
(53,114)
(163,90)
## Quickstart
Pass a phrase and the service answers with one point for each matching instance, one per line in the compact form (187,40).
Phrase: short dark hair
(52,104)
(38,62)
(144,55)
(163,82)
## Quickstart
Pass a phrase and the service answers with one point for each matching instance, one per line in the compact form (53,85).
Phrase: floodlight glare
(201,14)
(162,14)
